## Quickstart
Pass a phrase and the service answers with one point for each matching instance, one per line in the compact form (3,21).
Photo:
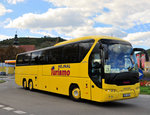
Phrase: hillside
(38,42)
(148,52)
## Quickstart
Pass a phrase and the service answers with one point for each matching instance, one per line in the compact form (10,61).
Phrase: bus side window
(19,60)
(96,68)
(96,65)
(41,58)
(34,58)
(55,56)
(84,47)
(26,59)
(71,53)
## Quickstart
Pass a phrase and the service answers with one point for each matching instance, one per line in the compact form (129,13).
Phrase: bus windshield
(112,60)
(119,58)
(120,67)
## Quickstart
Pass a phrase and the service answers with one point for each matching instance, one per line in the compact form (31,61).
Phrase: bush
(145,90)
(145,81)
(146,75)
(2,81)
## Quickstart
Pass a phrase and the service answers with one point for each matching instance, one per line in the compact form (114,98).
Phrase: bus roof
(95,37)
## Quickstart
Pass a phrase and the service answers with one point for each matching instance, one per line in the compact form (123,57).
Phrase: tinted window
(55,56)
(23,59)
(19,60)
(51,56)
(34,58)
(84,48)
(95,67)
(71,53)
(26,59)
(43,59)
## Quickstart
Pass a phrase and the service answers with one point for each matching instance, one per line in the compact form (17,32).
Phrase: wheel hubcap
(76,93)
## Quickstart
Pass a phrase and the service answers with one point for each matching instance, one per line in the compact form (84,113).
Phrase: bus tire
(24,84)
(75,94)
(30,85)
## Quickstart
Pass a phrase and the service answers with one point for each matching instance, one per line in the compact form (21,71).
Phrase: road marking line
(19,112)
(1,106)
(8,108)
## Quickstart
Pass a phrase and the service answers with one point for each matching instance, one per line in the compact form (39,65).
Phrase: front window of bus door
(96,68)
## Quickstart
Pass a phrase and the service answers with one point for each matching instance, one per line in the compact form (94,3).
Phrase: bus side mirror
(142,50)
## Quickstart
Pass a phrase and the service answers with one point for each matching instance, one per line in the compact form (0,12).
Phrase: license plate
(126,95)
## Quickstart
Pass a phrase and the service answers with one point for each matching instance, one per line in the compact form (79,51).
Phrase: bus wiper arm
(130,68)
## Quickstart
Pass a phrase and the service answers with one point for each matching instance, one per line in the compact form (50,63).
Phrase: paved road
(14,100)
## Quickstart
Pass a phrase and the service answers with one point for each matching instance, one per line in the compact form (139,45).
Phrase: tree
(2,53)
(9,53)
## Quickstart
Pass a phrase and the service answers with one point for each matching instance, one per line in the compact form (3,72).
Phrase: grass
(2,81)
(145,90)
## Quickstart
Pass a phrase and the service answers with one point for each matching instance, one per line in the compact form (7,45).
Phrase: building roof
(27,47)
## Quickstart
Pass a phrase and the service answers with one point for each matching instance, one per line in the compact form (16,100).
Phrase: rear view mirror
(142,50)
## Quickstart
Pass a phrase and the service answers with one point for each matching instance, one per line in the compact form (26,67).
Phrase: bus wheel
(30,85)
(76,94)
(24,84)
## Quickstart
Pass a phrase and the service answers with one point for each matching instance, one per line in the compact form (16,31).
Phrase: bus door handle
(35,78)
(92,86)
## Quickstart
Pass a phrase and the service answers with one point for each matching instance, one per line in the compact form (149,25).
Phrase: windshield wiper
(130,68)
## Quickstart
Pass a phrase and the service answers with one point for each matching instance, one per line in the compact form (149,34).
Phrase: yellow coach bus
(97,68)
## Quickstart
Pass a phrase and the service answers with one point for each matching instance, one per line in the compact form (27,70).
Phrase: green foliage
(2,81)
(38,42)
(148,51)
(145,90)
(9,53)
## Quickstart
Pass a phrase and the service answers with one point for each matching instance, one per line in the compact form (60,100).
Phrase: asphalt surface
(15,100)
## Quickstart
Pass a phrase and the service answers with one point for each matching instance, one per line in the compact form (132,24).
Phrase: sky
(128,20)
